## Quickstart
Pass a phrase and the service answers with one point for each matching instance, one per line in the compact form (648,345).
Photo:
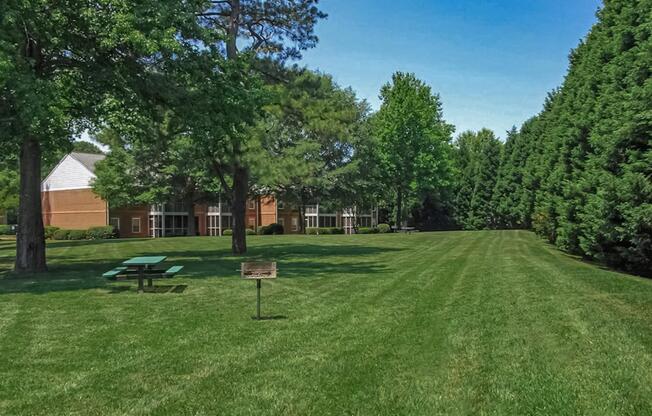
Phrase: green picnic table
(143,264)
(143,268)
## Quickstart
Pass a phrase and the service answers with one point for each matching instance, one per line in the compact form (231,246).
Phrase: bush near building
(384,228)
(324,230)
(367,230)
(60,235)
(94,233)
(49,231)
(77,235)
(102,233)
(271,229)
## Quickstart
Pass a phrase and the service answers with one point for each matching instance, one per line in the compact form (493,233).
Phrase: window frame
(137,221)
(111,221)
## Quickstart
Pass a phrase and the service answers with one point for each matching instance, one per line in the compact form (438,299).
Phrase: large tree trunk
(240,173)
(302,219)
(239,209)
(233,29)
(399,208)
(30,243)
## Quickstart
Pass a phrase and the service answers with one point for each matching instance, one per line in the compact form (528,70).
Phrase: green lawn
(444,323)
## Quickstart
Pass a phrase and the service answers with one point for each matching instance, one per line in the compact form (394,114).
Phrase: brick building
(69,202)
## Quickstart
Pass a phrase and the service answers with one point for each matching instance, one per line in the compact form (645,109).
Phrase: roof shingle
(87,159)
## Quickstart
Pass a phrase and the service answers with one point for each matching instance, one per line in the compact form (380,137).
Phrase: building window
(327,221)
(115,222)
(364,221)
(311,221)
(135,225)
(252,204)
(214,224)
(295,224)
(281,205)
(281,221)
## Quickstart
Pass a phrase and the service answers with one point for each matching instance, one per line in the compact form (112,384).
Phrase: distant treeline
(580,172)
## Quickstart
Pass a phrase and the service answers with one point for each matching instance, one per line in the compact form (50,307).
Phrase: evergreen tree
(311,130)
(477,160)
(586,183)
(272,29)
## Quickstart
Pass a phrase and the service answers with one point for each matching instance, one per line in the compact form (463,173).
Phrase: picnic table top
(144,261)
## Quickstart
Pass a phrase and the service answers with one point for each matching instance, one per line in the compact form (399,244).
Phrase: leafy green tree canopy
(413,147)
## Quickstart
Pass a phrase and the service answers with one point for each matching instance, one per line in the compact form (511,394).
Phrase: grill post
(258,271)
(258,299)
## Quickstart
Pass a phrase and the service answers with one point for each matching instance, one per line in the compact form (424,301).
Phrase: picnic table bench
(142,268)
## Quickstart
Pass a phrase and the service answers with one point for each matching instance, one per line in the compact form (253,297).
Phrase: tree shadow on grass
(54,244)
(69,272)
(639,273)
(270,318)
(156,289)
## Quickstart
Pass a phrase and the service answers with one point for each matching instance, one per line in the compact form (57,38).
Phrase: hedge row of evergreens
(580,172)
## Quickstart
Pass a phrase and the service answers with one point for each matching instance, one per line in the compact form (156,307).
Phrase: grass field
(493,323)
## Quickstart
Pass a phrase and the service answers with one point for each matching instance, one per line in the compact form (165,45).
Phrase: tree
(9,185)
(276,29)
(310,129)
(477,160)
(159,164)
(582,168)
(57,62)
(86,147)
(413,140)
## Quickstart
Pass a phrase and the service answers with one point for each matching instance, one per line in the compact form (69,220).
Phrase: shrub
(228,231)
(7,230)
(50,230)
(102,233)
(274,229)
(367,230)
(60,235)
(384,228)
(250,232)
(271,229)
(324,230)
(77,235)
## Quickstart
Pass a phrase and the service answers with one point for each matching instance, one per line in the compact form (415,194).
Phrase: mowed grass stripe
(344,335)
(444,323)
(384,351)
(604,341)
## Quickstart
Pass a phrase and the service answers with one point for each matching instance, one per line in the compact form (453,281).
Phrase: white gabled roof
(74,171)
(87,159)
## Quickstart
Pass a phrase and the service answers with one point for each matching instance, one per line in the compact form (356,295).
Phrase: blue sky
(492,61)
